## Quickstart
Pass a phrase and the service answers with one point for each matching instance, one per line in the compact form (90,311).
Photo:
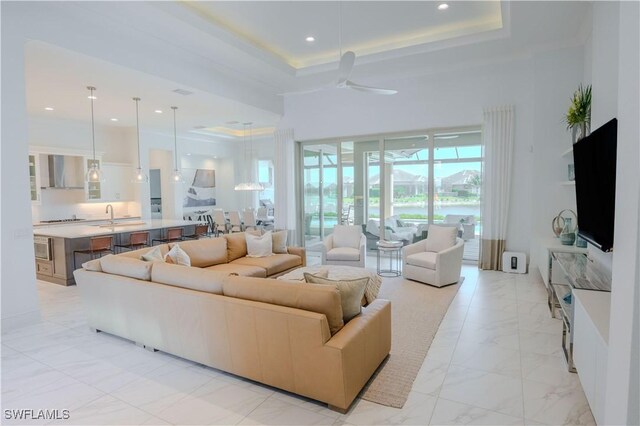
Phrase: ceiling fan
(344,72)
(345,68)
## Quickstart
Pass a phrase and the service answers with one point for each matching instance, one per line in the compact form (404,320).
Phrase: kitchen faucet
(107,211)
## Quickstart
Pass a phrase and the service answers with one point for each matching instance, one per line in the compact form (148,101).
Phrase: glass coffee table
(393,250)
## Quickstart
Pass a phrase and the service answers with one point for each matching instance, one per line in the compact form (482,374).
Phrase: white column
(19,299)
(284,180)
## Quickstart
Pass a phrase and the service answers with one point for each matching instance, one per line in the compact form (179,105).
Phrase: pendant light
(139,176)
(94,174)
(249,184)
(177,176)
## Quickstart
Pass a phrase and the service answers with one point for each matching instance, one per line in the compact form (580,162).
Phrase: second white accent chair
(436,260)
(345,246)
(220,221)
(234,221)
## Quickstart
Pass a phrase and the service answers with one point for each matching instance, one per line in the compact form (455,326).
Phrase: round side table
(392,249)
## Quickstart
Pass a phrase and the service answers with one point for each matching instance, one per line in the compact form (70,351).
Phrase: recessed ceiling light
(188,153)
(48,108)
(443,6)
(158,111)
(310,39)
(114,119)
(92,97)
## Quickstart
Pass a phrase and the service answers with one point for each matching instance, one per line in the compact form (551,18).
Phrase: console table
(585,323)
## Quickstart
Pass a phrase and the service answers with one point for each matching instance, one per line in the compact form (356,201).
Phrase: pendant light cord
(93,130)
(138,130)
(175,137)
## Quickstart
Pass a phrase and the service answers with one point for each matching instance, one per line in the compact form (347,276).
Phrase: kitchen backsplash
(63,204)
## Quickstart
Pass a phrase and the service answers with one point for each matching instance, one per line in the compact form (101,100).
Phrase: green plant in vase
(578,116)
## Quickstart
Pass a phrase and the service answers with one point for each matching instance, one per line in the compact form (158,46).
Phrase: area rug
(416,312)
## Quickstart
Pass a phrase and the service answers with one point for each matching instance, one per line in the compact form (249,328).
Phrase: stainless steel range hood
(64,172)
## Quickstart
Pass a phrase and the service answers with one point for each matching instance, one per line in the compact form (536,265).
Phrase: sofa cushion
(199,279)
(279,241)
(322,299)
(236,246)
(206,252)
(343,253)
(351,293)
(425,259)
(347,236)
(178,256)
(440,238)
(242,270)
(137,254)
(126,266)
(259,245)
(272,264)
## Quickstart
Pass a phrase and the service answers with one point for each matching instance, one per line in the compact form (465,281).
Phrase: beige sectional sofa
(284,334)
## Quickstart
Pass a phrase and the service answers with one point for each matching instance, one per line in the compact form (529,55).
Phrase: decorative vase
(579,131)
(568,234)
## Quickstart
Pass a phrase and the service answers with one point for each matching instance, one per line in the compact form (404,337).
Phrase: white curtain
(498,138)
(284,182)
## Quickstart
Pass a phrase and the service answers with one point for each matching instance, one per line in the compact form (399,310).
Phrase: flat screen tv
(594,160)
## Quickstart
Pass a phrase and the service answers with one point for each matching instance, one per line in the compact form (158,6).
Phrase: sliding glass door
(320,191)
(394,186)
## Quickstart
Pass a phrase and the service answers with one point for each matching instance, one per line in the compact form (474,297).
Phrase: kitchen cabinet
(44,267)
(34,178)
(591,346)
(93,191)
(117,185)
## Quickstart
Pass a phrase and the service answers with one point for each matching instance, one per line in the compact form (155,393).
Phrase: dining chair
(234,220)
(249,216)
(220,221)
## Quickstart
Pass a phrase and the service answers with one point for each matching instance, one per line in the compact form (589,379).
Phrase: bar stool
(173,234)
(136,240)
(97,246)
(201,231)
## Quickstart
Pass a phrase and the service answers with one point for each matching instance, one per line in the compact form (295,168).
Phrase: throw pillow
(92,265)
(259,246)
(178,256)
(279,241)
(351,293)
(153,255)
(440,238)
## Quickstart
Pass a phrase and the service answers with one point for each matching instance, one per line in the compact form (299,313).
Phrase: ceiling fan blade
(346,66)
(369,89)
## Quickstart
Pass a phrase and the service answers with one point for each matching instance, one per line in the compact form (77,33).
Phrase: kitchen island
(64,240)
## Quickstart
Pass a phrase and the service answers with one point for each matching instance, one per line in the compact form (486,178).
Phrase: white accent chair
(436,260)
(345,246)
(234,221)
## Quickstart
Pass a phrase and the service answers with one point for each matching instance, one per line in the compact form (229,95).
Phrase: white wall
(538,86)
(557,75)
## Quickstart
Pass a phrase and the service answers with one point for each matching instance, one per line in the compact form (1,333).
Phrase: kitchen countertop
(86,231)
(83,221)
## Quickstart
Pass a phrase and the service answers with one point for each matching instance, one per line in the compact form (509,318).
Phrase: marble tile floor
(496,359)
